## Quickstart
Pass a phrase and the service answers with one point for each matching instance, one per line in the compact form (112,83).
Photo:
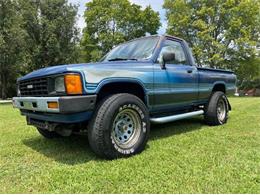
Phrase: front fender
(121,80)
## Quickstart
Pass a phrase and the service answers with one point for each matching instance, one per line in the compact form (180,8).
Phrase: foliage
(249,74)
(110,22)
(52,32)
(181,157)
(12,41)
(36,33)
(33,35)
(221,33)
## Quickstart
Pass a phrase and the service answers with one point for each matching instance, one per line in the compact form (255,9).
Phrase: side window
(175,47)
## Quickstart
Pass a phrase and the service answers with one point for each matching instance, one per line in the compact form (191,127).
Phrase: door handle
(189,71)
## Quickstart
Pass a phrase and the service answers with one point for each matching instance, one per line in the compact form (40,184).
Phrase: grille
(34,87)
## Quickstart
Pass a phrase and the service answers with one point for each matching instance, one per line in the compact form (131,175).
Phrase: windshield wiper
(121,59)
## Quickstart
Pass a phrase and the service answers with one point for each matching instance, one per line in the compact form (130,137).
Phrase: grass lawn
(182,157)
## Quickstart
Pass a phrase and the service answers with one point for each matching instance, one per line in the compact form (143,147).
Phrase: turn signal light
(53,105)
(73,84)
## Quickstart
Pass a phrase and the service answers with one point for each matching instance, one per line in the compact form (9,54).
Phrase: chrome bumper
(66,104)
(39,104)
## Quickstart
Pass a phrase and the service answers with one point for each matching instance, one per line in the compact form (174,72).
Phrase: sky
(156,5)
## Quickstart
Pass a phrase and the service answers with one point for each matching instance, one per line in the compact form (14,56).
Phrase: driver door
(176,87)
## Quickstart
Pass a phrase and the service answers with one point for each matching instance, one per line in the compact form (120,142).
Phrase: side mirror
(167,57)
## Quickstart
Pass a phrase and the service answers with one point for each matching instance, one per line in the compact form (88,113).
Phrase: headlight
(59,84)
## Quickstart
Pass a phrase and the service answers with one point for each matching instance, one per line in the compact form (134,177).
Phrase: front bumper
(66,104)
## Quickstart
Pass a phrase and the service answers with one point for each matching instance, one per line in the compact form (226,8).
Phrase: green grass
(182,157)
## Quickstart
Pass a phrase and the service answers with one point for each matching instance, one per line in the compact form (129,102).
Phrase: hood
(98,69)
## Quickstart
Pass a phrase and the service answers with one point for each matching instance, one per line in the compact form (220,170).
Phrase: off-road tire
(101,126)
(211,115)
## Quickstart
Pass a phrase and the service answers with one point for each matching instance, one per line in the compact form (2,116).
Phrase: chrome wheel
(221,110)
(126,128)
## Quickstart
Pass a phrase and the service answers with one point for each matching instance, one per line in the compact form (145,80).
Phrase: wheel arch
(113,86)
(219,86)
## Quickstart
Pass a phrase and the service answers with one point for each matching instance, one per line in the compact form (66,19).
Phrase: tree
(52,33)
(11,46)
(220,32)
(249,74)
(110,22)
(35,34)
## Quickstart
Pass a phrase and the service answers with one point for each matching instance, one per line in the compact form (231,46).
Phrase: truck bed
(215,70)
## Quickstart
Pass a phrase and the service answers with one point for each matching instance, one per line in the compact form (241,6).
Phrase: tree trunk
(3,86)
(0,88)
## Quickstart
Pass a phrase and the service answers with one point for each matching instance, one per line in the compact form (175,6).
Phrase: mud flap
(228,104)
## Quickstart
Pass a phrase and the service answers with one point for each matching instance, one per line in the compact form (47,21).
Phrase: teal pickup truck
(147,80)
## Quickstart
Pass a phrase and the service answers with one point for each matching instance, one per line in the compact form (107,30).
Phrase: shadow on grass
(67,150)
(75,149)
(159,131)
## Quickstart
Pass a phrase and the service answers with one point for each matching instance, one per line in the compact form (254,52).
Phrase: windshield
(141,49)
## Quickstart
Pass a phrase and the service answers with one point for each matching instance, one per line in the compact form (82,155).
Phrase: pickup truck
(147,80)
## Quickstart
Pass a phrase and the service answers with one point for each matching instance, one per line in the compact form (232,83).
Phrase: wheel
(120,127)
(48,134)
(216,112)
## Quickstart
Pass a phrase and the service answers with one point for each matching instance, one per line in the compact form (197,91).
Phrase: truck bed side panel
(208,78)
